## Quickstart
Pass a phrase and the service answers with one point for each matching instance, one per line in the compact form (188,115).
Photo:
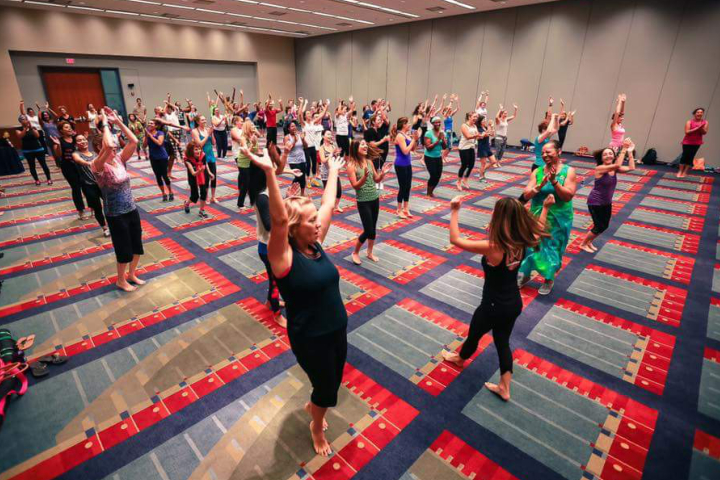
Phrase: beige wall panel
(397,75)
(302,67)
(377,66)
(442,52)
(418,64)
(649,49)
(711,150)
(596,88)
(466,65)
(344,66)
(526,67)
(497,48)
(329,72)
(360,62)
(563,53)
(690,81)
(68,33)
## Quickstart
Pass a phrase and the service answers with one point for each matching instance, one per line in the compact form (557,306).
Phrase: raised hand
(549,201)
(386,168)
(456,202)
(626,143)
(263,162)
(336,163)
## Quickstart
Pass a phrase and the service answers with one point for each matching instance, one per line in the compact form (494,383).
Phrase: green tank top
(367,192)
(242,160)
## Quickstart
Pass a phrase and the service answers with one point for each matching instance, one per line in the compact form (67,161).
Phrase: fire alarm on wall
(70,61)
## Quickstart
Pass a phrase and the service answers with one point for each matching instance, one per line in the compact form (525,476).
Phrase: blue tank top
(207,149)
(402,159)
(448,123)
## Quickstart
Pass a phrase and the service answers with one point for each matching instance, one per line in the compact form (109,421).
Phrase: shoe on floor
(202,214)
(164,198)
(172,197)
(546,288)
(187,208)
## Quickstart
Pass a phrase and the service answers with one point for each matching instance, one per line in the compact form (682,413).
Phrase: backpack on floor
(650,157)
(12,366)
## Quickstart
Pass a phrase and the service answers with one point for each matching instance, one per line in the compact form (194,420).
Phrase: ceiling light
(145,2)
(184,20)
(160,17)
(178,6)
(380,7)
(120,12)
(44,4)
(209,11)
(247,1)
(86,8)
(273,5)
(211,23)
(238,15)
(459,4)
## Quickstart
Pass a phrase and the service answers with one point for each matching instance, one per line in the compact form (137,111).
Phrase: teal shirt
(538,151)
(436,151)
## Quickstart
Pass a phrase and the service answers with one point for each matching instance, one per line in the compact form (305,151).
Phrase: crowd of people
(525,235)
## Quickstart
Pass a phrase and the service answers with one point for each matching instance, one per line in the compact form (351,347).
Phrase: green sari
(547,259)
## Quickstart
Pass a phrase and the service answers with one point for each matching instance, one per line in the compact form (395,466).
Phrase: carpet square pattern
(616,373)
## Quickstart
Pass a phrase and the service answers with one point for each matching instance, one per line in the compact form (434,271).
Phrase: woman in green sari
(560,181)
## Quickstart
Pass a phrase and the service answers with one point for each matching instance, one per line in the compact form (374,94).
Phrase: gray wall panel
(691,78)
(599,70)
(526,66)
(664,54)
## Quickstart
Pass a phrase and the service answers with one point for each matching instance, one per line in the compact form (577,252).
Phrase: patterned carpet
(617,373)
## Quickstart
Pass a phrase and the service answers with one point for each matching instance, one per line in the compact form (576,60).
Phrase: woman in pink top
(695,128)
(617,131)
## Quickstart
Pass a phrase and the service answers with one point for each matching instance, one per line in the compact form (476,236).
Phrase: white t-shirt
(222,125)
(481,111)
(313,134)
(341,124)
(173,118)
(34,121)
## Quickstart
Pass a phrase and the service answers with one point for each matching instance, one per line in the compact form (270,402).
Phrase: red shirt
(271,117)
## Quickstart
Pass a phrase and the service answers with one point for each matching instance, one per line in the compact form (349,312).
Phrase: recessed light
(460,4)
(178,6)
(86,8)
(44,4)
(145,2)
(120,12)
(209,11)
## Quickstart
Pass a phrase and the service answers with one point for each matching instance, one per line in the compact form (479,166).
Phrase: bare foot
(373,257)
(320,443)
(213,200)
(408,214)
(308,409)
(356,259)
(459,186)
(454,358)
(280,320)
(134,279)
(594,248)
(498,390)
(401,214)
(125,286)
(586,248)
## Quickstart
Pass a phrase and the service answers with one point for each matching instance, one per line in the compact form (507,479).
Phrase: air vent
(203,2)
(170,15)
(277,14)
(344,24)
(435,9)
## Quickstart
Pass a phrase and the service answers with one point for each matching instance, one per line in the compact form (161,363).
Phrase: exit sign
(70,61)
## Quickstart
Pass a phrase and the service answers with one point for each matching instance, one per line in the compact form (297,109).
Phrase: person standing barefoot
(512,229)
(695,129)
(310,285)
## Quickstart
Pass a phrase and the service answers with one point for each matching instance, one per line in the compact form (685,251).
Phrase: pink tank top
(617,136)
(695,138)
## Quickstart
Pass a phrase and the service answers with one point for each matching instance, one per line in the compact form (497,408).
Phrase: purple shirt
(401,159)
(602,192)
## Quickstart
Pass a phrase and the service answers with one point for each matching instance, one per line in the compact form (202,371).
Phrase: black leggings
(197,192)
(343,141)
(501,320)
(467,162)
(93,195)
(221,142)
(434,167)
(601,215)
(70,173)
(160,169)
(273,295)
(369,212)
(311,161)
(126,235)
(212,167)
(243,184)
(338,194)
(301,179)
(688,154)
(271,136)
(40,157)
(404,178)
(323,360)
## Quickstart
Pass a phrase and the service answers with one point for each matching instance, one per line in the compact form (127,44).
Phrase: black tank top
(67,149)
(312,296)
(501,287)
(417,124)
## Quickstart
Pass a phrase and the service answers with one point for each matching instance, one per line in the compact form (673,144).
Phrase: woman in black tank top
(512,229)
(310,285)
(65,147)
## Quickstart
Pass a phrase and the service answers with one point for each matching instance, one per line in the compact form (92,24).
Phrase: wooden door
(74,89)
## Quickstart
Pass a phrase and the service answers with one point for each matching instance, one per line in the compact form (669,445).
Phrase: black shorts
(688,154)
(601,215)
(323,360)
(126,235)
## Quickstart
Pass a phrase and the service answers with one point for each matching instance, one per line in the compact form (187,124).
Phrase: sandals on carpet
(40,367)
